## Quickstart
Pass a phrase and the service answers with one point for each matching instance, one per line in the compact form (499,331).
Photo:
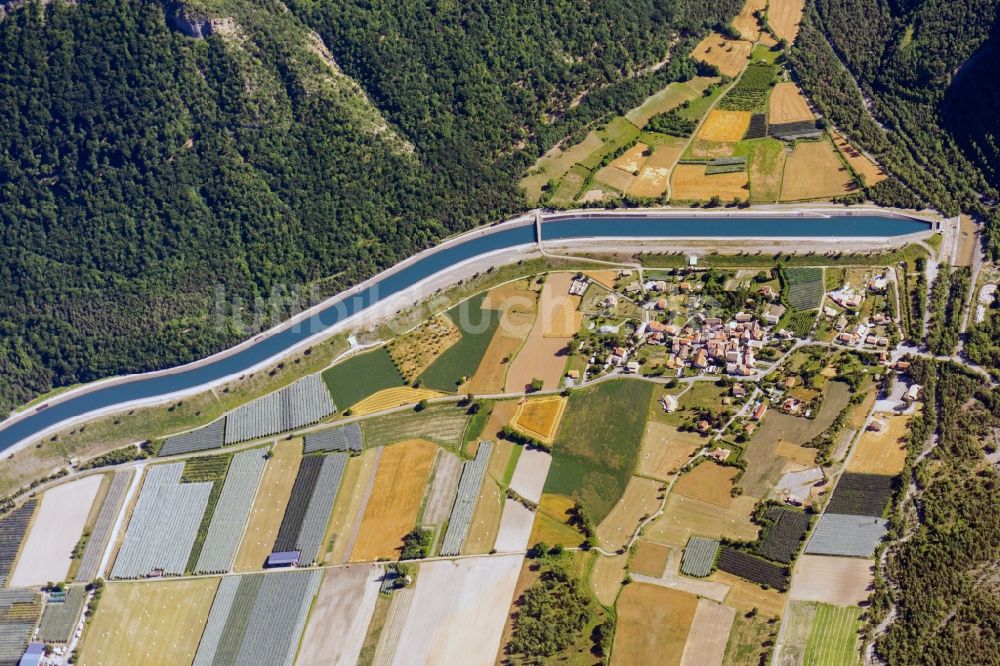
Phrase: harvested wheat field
(415,351)
(684,517)
(632,159)
(709,482)
(653,625)
(392,397)
(882,452)
(745,596)
(606,576)
(269,505)
(654,176)
(842,581)
(540,418)
(724,126)
(788,104)
(149,623)
(395,499)
(650,558)
(706,644)
(614,178)
(485,524)
(551,522)
(746,23)
(813,171)
(665,449)
(639,500)
(507,341)
(689,183)
(340,615)
(515,528)
(872,172)
(348,509)
(55,531)
(729,55)
(604,278)
(530,473)
(458,612)
(544,353)
(785,17)
(798,454)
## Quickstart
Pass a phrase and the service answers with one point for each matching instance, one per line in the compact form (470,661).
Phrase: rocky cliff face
(187,22)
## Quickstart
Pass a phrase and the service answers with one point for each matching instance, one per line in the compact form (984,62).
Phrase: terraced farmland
(231,512)
(211,436)
(60,620)
(846,535)
(19,611)
(300,404)
(310,504)
(699,556)
(164,524)
(257,619)
(12,529)
(752,568)
(861,494)
(465,501)
(805,287)
(345,438)
(784,536)
(93,552)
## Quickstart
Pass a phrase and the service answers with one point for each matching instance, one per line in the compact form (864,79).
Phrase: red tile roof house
(758,413)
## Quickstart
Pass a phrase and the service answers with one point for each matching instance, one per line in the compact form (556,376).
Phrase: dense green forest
(911,81)
(941,578)
(148,177)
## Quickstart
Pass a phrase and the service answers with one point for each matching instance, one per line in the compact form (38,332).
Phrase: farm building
(285,558)
(33,655)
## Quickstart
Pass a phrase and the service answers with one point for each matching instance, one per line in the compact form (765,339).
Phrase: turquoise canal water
(495,238)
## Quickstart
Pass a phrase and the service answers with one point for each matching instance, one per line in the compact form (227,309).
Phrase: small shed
(33,655)
(283,558)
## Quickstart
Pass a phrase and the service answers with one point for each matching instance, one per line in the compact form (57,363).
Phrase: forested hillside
(923,72)
(147,176)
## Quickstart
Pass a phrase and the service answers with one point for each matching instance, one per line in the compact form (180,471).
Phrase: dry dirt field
(745,22)
(550,522)
(416,350)
(632,159)
(842,581)
(515,528)
(55,531)
(639,499)
(650,558)
(540,418)
(340,616)
(517,305)
(395,499)
(654,176)
(689,183)
(530,473)
(149,624)
(447,472)
(615,178)
(724,126)
(788,104)
(269,505)
(665,449)
(603,278)
(349,506)
(458,612)
(701,148)
(872,172)
(606,577)
(729,55)
(785,17)
(745,596)
(813,171)
(392,397)
(709,482)
(706,644)
(684,517)
(485,519)
(543,355)
(653,625)
(882,452)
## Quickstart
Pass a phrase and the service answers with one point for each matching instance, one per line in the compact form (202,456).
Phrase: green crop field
(805,287)
(833,640)
(461,360)
(360,376)
(442,424)
(598,444)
